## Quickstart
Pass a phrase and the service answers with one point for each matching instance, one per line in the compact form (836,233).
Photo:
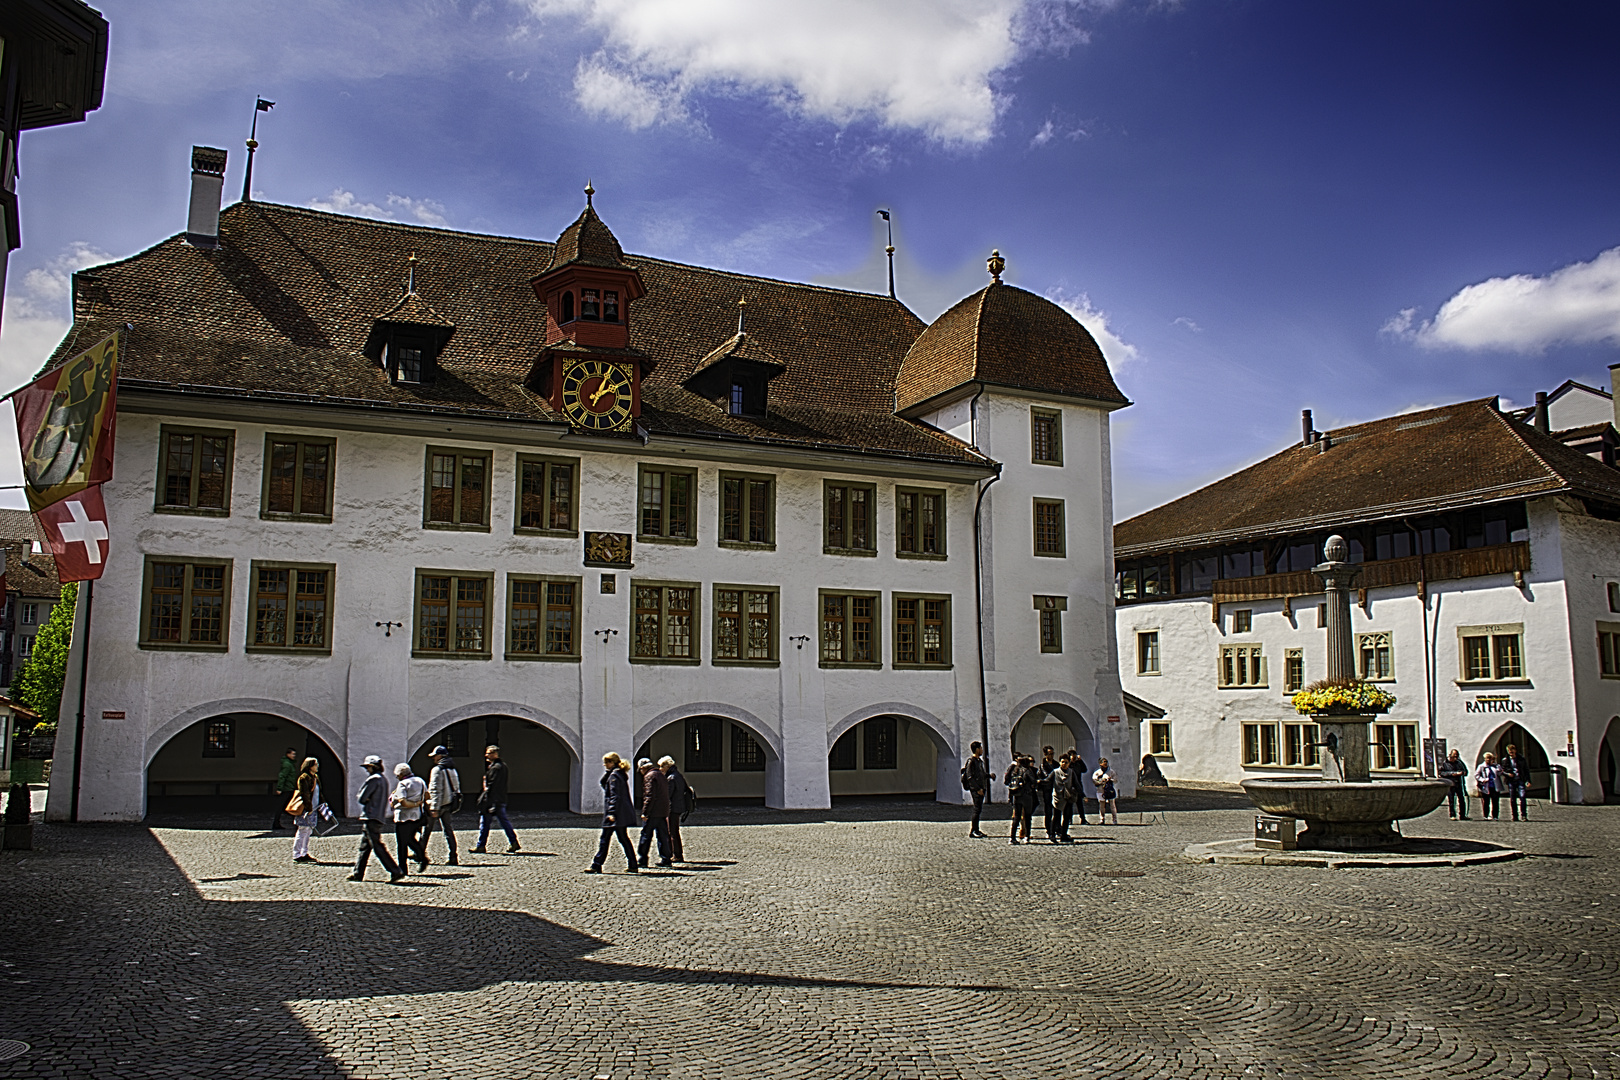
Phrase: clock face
(596,395)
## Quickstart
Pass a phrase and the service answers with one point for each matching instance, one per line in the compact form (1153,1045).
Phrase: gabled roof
(743,347)
(282,309)
(589,242)
(1467,454)
(413,310)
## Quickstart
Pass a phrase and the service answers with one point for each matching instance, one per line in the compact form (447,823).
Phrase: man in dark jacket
(654,812)
(680,801)
(373,812)
(618,814)
(1516,777)
(286,784)
(1020,781)
(1043,789)
(976,778)
(492,803)
(1456,772)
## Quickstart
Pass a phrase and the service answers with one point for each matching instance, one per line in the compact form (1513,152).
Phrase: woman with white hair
(409,796)
(680,802)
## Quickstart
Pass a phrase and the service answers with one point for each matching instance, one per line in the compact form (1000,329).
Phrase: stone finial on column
(1338,574)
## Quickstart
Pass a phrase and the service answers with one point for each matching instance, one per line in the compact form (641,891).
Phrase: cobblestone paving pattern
(869,941)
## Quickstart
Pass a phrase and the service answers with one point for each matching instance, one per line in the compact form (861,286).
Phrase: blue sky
(1256,206)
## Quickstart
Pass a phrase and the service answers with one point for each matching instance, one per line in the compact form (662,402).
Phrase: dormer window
(589,306)
(567,307)
(736,399)
(610,306)
(410,365)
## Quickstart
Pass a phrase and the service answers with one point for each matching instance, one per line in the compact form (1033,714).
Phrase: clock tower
(588,370)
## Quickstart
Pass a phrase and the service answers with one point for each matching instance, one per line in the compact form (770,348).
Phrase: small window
(849,630)
(745,624)
(1321,616)
(1243,621)
(30,614)
(1375,655)
(1159,738)
(1608,640)
(1046,436)
(457,489)
(194,471)
(542,618)
(703,749)
(219,737)
(1051,630)
(1242,667)
(736,404)
(919,526)
(668,497)
(187,603)
(291,607)
(567,307)
(1294,677)
(452,614)
(1050,539)
(1614,595)
(1395,747)
(590,305)
(847,511)
(410,366)
(610,306)
(1491,653)
(297,478)
(1147,652)
(665,623)
(1260,744)
(747,755)
(922,631)
(880,738)
(747,510)
(548,490)
(1299,745)
(842,756)
(25,646)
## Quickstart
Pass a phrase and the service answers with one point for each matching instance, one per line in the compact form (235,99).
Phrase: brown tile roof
(32,574)
(741,346)
(282,309)
(18,525)
(1459,455)
(1008,337)
(590,242)
(413,310)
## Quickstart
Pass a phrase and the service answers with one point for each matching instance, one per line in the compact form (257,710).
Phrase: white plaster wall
(1579,408)
(370,696)
(1591,554)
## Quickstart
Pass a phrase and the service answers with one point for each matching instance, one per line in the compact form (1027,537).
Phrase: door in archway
(1540,767)
(884,756)
(227,764)
(537,762)
(721,758)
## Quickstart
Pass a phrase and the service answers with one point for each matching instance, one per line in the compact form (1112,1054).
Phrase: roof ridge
(1532,451)
(1405,417)
(313,211)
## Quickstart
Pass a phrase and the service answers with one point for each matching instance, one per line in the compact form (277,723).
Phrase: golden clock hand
(602,388)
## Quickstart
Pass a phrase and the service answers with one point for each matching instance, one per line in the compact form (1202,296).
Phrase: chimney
(1543,424)
(1308,433)
(1614,391)
(207,185)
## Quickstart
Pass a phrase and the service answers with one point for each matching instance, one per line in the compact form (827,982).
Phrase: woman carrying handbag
(304,808)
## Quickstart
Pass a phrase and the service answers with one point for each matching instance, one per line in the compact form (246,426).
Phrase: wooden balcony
(1443,566)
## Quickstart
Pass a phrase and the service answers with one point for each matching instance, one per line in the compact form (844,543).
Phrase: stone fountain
(1344,810)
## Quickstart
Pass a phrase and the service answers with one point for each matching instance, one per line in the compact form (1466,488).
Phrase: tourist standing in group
(1020,781)
(1043,788)
(618,813)
(1453,770)
(1516,783)
(306,798)
(409,796)
(1063,788)
(680,802)
(654,812)
(1107,793)
(492,803)
(976,779)
(444,799)
(1488,779)
(286,784)
(373,812)
(1078,766)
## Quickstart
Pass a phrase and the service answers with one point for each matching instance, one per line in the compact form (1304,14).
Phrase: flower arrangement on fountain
(1342,697)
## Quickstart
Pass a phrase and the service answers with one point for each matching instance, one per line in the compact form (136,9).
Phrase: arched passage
(723,757)
(227,762)
(1608,763)
(540,764)
(1057,724)
(893,749)
(1535,754)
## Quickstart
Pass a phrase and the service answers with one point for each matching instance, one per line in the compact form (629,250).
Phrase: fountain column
(1344,740)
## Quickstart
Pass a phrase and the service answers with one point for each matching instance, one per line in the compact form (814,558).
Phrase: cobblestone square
(868,941)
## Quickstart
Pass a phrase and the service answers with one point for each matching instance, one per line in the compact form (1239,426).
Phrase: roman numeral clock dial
(596,395)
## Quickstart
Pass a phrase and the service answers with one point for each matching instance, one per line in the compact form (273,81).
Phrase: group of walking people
(665,798)
(1054,785)
(1492,780)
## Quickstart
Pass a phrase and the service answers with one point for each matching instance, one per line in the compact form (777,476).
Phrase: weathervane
(589,192)
(742,307)
(995,264)
(889,251)
(259,105)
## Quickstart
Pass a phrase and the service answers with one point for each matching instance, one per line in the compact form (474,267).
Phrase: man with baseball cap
(373,812)
(444,799)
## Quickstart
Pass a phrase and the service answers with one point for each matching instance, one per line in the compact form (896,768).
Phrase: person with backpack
(1020,781)
(444,799)
(654,813)
(976,781)
(680,804)
(1043,789)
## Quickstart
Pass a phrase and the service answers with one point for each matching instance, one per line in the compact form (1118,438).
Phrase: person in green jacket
(286,784)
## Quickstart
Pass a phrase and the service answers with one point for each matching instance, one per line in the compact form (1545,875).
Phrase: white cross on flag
(76,529)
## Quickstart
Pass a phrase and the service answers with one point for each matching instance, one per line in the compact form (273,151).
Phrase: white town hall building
(380,486)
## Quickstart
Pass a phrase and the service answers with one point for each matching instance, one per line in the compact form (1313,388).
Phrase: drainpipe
(978,586)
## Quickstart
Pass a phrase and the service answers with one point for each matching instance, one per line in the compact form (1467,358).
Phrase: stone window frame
(546,462)
(250,631)
(146,641)
(1493,633)
(1143,654)
(1037,415)
(545,608)
(1306,733)
(168,431)
(945,662)
(1244,653)
(664,537)
(1368,639)
(1062,550)
(1608,646)
(461,453)
(745,509)
(829,548)
(1412,745)
(1257,759)
(695,622)
(847,595)
(1049,623)
(1292,685)
(418,651)
(1243,621)
(302,441)
(940,533)
(1155,728)
(775,632)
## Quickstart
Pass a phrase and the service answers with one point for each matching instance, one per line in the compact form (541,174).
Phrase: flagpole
(84,671)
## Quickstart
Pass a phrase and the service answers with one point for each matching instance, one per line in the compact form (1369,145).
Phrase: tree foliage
(39,684)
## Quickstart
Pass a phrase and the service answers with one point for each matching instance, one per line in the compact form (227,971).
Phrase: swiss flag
(76,530)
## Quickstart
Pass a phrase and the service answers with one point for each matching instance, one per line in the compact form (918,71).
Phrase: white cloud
(421,211)
(922,65)
(1578,304)
(1116,350)
(1182,320)
(39,312)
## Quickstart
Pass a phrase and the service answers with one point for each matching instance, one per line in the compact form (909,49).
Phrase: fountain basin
(1347,816)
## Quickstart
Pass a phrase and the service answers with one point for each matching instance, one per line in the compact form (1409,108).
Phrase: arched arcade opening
(227,764)
(539,764)
(1608,762)
(1536,755)
(722,758)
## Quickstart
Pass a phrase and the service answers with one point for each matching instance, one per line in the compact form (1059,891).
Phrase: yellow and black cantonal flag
(65,425)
